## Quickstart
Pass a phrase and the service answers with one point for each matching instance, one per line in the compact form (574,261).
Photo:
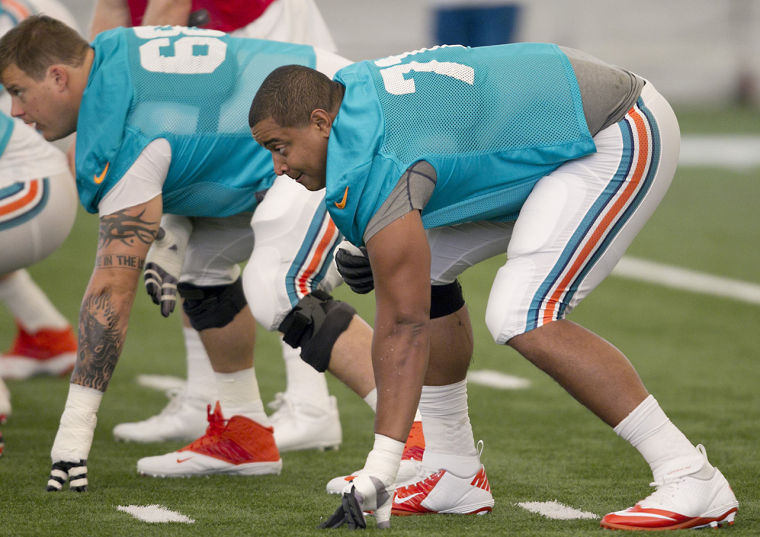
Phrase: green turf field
(697,353)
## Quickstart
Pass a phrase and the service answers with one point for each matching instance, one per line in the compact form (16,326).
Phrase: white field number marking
(155,514)
(556,510)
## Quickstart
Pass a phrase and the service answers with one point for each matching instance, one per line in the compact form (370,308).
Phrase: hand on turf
(353,265)
(74,472)
(364,493)
(349,513)
(163,264)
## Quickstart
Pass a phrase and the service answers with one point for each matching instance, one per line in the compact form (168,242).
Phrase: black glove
(355,269)
(349,513)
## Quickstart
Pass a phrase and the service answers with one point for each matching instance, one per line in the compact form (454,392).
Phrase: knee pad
(314,324)
(213,306)
(445,299)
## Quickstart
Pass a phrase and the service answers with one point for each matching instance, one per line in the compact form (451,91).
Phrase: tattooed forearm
(120,261)
(126,228)
(101,338)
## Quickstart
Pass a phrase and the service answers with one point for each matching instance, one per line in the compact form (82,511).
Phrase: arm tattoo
(126,228)
(119,261)
(101,339)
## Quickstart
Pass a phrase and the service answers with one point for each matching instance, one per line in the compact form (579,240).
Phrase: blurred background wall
(694,51)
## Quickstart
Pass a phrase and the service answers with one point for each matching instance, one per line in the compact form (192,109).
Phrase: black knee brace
(214,306)
(314,325)
(445,299)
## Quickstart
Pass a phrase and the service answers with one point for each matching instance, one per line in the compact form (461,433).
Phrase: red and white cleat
(686,499)
(443,492)
(238,446)
(46,352)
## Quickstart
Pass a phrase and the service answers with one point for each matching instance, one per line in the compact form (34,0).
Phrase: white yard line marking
(495,379)
(689,280)
(161,382)
(724,151)
(155,514)
(556,510)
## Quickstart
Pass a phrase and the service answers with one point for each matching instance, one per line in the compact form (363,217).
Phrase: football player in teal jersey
(305,415)
(160,120)
(437,159)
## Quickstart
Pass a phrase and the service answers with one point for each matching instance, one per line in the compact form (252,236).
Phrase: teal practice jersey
(192,87)
(491,121)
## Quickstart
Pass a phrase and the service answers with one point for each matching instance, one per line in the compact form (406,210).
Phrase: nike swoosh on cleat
(180,461)
(406,498)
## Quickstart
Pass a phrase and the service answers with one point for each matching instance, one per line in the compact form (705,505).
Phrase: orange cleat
(238,446)
(46,352)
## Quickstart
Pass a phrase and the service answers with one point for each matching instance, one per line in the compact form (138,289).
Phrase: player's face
(38,102)
(298,152)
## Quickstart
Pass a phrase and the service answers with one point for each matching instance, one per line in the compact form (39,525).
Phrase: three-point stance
(438,159)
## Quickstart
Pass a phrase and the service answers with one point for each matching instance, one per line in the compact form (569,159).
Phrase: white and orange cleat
(443,492)
(408,471)
(46,352)
(689,498)
(238,446)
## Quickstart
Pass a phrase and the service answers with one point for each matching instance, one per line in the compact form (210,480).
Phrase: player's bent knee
(213,306)
(314,325)
(445,299)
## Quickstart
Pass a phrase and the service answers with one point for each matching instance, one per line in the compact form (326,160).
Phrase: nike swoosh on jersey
(342,203)
(405,499)
(99,178)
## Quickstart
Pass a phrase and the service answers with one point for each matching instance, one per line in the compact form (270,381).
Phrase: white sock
(200,375)
(239,395)
(28,304)
(665,448)
(449,442)
(303,382)
(371,400)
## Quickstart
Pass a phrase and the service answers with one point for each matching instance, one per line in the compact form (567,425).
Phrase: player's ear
(321,120)
(59,75)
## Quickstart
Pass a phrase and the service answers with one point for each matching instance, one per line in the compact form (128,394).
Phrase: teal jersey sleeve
(491,121)
(193,88)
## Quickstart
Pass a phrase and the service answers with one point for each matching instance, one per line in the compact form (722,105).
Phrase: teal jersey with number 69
(492,121)
(192,87)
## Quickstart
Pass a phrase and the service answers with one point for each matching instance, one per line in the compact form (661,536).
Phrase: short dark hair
(38,42)
(290,93)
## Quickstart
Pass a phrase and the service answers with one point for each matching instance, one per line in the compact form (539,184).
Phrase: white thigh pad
(294,244)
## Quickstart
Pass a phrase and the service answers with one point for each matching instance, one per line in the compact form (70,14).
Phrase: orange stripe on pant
(324,244)
(609,217)
(29,197)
